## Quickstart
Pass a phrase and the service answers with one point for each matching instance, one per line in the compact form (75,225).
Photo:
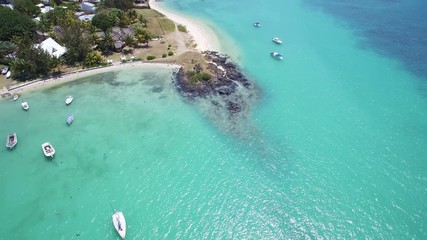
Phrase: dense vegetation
(85,41)
(15,24)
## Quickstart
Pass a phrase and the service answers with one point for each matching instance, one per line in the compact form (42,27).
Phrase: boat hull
(70,119)
(119,223)
(11,140)
(25,106)
(69,100)
(48,150)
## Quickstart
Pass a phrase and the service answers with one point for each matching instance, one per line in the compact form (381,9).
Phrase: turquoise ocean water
(335,147)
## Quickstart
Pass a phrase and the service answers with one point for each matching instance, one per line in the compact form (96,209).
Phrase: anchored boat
(119,223)
(48,149)
(11,140)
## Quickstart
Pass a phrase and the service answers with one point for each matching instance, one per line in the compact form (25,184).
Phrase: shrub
(164,55)
(170,53)
(195,77)
(182,28)
(151,57)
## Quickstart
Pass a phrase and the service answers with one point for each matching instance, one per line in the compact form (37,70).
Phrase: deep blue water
(396,28)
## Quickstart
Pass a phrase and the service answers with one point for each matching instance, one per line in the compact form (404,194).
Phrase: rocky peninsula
(221,78)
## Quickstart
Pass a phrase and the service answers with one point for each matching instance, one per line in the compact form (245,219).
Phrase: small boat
(48,149)
(15,97)
(70,119)
(11,140)
(277,40)
(8,74)
(25,106)
(257,24)
(119,223)
(68,100)
(276,55)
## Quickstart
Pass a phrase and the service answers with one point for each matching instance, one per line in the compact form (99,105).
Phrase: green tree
(132,14)
(120,4)
(14,23)
(26,7)
(142,36)
(31,62)
(107,43)
(129,40)
(7,48)
(76,40)
(93,59)
(143,20)
(103,21)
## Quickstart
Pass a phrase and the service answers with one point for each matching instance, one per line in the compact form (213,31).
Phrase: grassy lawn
(158,24)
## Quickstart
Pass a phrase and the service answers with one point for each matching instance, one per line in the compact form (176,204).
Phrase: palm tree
(7,48)
(143,20)
(142,36)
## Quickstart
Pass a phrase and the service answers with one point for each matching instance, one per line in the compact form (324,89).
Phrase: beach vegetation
(195,77)
(7,48)
(164,55)
(182,28)
(26,7)
(93,59)
(77,41)
(31,62)
(143,20)
(170,53)
(14,23)
(151,57)
(120,4)
(103,21)
(129,40)
(142,36)
(106,44)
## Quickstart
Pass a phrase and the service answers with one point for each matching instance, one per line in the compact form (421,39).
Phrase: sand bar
(203,35)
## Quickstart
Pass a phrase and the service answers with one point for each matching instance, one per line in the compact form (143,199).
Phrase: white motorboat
(15,97)
(69,100)
(119,223)
(11,140)
(25,106)
(70,119)
(277,40)
(276,55)
(8,74)
(257,24)
(48,149)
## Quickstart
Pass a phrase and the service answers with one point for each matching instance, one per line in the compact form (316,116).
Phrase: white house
(52,47)
(87,17)
(88,7)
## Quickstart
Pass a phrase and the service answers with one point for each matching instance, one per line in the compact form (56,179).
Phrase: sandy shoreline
(39,84)
(203,35)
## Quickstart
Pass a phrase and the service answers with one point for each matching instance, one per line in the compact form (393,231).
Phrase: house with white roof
(52,47)
(88,7)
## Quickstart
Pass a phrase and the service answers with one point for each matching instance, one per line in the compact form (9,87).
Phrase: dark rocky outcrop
(226,78)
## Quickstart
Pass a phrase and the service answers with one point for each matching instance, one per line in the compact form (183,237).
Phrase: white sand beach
(203,35)
(46,83)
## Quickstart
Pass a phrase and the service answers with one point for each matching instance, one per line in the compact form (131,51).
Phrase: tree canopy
(120,4)
(103,21)
(31,62)
(14,23)
(26,7)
